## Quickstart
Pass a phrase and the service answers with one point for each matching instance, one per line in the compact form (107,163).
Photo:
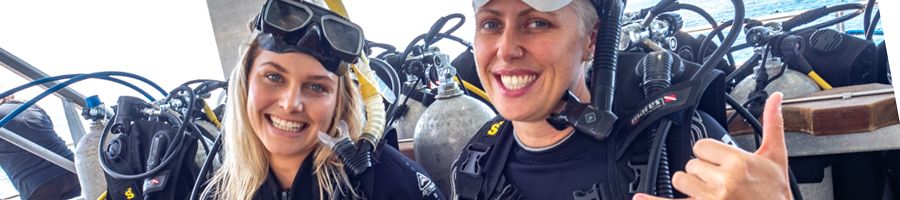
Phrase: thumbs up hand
(721,171)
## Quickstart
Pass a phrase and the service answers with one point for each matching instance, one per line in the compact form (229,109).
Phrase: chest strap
(479,166)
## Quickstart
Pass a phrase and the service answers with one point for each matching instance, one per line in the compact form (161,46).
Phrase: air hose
(815,14)
(812,15)
(375,115)
(867,15)
(871,31)
(170,152)
(603,75)
(657,70)
(98,75)
(709,19)
(207,165)
(55,88)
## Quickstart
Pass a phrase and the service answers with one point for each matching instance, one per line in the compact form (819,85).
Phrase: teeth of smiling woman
(515,82)
(286,125)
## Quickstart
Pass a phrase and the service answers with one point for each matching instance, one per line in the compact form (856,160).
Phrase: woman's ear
(591,44)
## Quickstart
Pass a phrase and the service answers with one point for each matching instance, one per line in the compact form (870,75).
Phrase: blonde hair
(587,16)
(246,165)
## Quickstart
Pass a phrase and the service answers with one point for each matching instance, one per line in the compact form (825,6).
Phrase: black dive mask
(297,26)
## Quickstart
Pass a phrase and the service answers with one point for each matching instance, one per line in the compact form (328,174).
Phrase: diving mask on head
(298,26)
(539,5)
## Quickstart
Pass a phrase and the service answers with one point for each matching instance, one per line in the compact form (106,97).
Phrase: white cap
(539,5)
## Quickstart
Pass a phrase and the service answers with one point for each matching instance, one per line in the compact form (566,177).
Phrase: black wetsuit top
(392,176)
(579,162)
(26,171)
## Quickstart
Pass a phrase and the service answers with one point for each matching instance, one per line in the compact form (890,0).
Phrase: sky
(168,42)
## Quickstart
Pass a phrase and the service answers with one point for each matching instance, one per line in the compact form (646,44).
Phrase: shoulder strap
(479,166)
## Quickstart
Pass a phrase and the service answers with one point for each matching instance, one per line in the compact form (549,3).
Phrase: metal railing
(71,100)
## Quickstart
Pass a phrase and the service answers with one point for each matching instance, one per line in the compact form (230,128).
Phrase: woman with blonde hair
(529,54)
(289,100)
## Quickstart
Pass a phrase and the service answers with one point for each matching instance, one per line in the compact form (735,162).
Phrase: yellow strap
(819,80)
(473,89)
(338,7)
(102,196)
(211,115)
(365,87)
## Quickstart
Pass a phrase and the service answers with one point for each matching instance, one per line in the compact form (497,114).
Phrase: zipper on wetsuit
(284,195)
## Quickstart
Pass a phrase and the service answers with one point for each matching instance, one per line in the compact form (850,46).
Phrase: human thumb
(641,196)
(773,146)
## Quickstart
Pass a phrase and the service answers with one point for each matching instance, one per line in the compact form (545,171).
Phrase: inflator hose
(603,77)
(207,165)
(867,15)
(375,115)
(815,14)
(871,31)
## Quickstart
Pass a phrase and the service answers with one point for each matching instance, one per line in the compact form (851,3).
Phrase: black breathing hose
(656,10)
(201,177)
(815,14)
(709,19)
(657,70)
(871,31)
(704,45)
(867,16)
(812,15)
(743,69)
(713,60)
(603,77)
(740,110)
(663,180)
(170,152)
(431,37)
(389,70)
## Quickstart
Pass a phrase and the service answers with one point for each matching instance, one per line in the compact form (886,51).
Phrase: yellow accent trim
(819,80)
(211,115)
(102,196)
(473,89)
(129,194)
(338,7)
(366,88)
(495,128)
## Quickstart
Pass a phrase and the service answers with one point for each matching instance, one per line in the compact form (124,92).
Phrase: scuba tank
(447,125)
(792,83)
(406,122)
(408,116)
(782,57)
(87,164)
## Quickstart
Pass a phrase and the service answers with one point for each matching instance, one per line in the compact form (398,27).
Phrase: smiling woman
(290,91)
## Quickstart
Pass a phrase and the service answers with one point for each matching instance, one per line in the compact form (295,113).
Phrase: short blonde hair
(587,16)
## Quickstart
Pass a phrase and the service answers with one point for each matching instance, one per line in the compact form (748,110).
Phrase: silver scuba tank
(87,163)
(792,83)
(406,123)
(447,125)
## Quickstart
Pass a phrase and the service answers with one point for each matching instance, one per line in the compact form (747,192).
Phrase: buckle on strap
(595,193)
(473,164)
